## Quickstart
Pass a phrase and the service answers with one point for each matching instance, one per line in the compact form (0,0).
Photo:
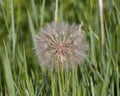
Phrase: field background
(20,73)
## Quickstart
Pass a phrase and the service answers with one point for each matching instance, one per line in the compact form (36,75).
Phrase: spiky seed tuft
(60,44)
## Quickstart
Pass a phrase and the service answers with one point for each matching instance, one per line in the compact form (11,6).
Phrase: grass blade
(8,73)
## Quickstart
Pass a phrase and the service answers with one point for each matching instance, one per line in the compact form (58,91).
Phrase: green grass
(20,73)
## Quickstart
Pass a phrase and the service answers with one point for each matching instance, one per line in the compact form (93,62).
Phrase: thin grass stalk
(42,13)
(59,79)
(34,12)
(31,89)
(74,79)
(92,87)
(101,22)
(52,82)
(60,85)
(31,28)
(92,45)
(102,34)
(67,82)
(25,70)
(63,82)
(106,80)
(79,88)
(56,11)
(8,73)
(61,10)
(13,27)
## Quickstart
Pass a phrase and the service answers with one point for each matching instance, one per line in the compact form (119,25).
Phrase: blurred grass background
(20,73)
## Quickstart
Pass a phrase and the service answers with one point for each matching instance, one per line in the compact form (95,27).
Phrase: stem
(56,11)
(101,22)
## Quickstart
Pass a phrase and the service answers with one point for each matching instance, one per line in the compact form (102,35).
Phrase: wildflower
(62,44)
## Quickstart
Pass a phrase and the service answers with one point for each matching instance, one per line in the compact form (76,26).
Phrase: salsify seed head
(60,44)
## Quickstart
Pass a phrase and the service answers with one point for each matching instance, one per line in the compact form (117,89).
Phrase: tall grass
(20,73)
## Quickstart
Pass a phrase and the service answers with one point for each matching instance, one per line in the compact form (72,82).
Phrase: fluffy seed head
(62,44)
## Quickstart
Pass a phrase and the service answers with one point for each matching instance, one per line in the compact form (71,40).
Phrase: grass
(20,73)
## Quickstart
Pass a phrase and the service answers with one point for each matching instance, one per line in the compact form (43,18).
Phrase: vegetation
(20,71)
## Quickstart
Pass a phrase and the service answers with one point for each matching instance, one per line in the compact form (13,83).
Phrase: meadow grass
(20,72)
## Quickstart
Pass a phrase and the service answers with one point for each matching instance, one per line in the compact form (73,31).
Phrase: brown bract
(62,44)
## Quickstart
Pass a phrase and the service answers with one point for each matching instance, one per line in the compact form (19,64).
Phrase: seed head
(62,44)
